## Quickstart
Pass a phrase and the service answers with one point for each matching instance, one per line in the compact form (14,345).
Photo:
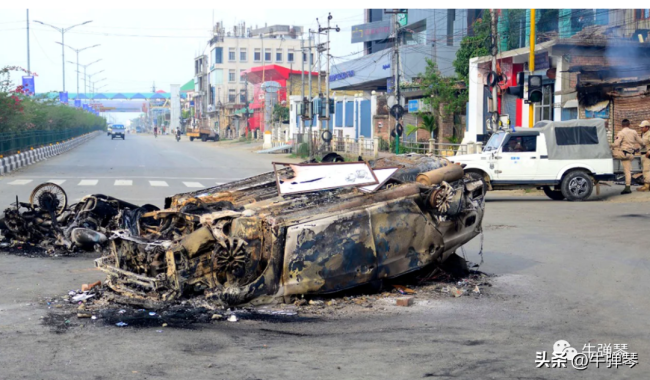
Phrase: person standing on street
(645,156)
(626,140)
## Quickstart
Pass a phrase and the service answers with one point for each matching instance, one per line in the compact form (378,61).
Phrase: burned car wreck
(252,241)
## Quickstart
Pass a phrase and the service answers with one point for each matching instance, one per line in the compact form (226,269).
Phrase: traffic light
(518,90)
(331,106)
(534,88)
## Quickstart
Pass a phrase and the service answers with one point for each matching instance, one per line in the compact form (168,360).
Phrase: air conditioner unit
(210,108)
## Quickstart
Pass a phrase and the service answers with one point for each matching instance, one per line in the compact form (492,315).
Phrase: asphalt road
(139,169)
(572,271)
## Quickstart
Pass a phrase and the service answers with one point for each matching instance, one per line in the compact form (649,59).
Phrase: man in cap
(626,140)
(645,156)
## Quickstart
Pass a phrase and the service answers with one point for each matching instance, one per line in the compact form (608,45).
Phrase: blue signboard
(77,103)
(390,84)
(28,85)
(63,97)
(414,106)
(342,75)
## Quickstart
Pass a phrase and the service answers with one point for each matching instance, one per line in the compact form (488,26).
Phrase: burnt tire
(577,186)
(555,195)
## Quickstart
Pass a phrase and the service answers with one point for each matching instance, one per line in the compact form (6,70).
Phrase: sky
(139,47)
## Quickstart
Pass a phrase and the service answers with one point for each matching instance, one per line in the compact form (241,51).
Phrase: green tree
(475,45)
(429,124)
(280,113)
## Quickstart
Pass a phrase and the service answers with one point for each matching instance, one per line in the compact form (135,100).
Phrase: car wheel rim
(578,186)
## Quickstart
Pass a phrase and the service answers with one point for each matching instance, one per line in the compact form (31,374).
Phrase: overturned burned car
(256,239)
(242,242)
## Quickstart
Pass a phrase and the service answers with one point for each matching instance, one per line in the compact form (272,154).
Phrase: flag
(28,85)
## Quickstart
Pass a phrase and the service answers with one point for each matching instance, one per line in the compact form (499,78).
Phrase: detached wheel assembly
(49,197)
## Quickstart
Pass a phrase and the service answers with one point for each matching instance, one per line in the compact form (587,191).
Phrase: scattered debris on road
(255,241)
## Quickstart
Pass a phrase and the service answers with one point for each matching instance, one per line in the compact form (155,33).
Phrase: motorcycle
(178,137)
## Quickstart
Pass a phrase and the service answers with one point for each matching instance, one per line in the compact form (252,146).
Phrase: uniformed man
(627,140)
(645,155)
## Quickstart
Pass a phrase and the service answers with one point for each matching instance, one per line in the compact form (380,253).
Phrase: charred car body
(242,242)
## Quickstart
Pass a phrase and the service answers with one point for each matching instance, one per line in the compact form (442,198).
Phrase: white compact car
(564,158)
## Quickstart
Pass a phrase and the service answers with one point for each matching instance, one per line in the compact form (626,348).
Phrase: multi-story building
(231,53)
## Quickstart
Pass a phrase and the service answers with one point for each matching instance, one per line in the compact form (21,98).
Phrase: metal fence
(372,147)
(13,142)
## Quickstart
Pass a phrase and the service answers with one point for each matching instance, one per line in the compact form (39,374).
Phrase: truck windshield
(494,142)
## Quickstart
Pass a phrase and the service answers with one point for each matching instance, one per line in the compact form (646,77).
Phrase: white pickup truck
(564,158)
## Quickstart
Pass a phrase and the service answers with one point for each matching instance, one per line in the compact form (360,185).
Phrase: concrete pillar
(375,146)
(432,145)
(361,145)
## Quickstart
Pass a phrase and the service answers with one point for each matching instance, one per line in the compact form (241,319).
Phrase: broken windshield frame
(494,142)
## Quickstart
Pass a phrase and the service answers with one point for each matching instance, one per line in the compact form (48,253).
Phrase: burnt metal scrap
(48,222)
(242,242)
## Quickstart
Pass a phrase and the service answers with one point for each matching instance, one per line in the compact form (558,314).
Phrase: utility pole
(62,31)
(246,105)
(396,24)
(531,65)
(494,52)
(327,82)
(29,67)
(311,120)
(302,86)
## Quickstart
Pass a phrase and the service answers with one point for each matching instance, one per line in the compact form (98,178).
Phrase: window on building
(231,54)
(218,55)
(304,58)
(278,55)
(242,78)
(242,55)
(451,17)
(232,95)
(231,75)
(642,14)
(544,110)
(290,56)
(267,55)
(258,55)
(242,96)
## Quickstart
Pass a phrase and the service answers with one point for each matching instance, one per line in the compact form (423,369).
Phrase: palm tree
(429,124)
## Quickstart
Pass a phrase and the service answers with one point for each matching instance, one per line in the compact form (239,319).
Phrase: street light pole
(87,76)
(78,51)
(62,30)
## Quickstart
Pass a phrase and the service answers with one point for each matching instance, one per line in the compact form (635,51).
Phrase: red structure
(284,76)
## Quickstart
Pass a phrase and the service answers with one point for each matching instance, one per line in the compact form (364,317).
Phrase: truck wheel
(204,138)
(555,195)
(191,138)
(577,186)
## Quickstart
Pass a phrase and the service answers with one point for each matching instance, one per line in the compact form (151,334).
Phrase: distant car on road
(138,130)
(118,131)
(110,131)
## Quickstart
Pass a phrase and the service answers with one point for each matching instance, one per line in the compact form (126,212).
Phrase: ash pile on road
(96,304)
(302,229)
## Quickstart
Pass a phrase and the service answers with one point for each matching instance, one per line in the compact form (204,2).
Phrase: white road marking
(88,182)
(20,182)
(193,184)
(57,181)
(123,182)
(158,183)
